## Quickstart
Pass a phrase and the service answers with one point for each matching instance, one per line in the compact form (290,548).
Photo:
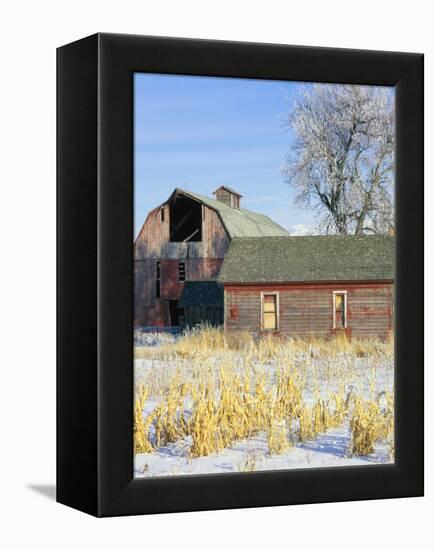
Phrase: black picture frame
(95,259)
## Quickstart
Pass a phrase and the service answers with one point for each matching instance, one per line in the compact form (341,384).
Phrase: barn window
(339,309)
(270,306)
(157,282)
(162,214)
(181,271)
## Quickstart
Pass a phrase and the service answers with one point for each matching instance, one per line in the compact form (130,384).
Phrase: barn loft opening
(185,220)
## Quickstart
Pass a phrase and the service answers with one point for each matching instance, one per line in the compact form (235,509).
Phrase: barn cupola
(228,196)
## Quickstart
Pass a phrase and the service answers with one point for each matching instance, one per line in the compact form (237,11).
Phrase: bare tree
(342,159)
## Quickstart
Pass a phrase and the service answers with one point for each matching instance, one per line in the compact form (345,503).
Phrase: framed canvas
(219,347)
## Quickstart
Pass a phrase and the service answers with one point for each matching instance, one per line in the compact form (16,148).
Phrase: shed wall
(307,309)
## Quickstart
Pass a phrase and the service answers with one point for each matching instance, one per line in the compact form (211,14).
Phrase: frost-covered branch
(342,160)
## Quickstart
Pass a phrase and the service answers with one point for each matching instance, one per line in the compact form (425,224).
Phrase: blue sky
(198,133)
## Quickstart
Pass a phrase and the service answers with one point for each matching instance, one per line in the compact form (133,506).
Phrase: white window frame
(272,293)
(344,292)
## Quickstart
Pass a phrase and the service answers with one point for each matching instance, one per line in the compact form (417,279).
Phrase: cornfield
(213,390)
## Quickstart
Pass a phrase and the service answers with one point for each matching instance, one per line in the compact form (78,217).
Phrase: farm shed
(184,241)
(202,301)
(310,286)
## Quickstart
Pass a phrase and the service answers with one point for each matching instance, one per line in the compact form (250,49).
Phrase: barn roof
(239,222)
(303,259)
(201,293)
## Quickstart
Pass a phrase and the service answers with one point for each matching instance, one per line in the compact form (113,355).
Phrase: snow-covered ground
(152,338)
(329,449)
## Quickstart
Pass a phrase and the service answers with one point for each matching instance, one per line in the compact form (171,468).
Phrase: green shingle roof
(201,293)
(303,259)
(238,221)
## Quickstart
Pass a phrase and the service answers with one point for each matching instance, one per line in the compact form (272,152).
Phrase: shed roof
(304,259)
(239,222)
(201,293)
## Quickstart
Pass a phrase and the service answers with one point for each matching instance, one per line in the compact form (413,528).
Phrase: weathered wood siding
(228,198)
(202,260)
(307,309)
(196,269)
(152,236)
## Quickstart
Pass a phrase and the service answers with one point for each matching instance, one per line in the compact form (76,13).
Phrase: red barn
(179,252)
(310,286)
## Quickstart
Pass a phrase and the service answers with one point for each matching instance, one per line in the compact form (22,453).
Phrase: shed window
(181,271)
(162,214)
(339,309)
(269,311)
